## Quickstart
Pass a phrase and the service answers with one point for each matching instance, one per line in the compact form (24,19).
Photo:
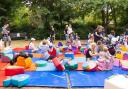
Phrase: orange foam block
(36,55)
(79,55)
(25,62)
(31,68)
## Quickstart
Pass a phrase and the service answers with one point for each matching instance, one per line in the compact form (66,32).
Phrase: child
(1,45)
(45,49)
(32,46)
(90,38)
(78,43)
(105,61)
(70,41)
(99,46)
(91,52)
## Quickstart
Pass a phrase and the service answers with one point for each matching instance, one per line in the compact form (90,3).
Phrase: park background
(34,17)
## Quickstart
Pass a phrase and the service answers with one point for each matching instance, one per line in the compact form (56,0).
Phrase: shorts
(6,38)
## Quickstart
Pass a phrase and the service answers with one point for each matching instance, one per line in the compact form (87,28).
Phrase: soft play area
(68,69)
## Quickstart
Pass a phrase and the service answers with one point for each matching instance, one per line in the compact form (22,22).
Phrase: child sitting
(91,52)
(45,49)
(105,61)
(32,46)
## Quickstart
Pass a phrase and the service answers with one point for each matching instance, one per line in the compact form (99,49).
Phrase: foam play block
(41,63)
(20,80)
(6,57)
(124,48)
(59,66)
(119,56)
(82,49)
(53,52)
(37,55)
(60,55)
(124,64)
(125,56)
(116,62)
(90,66)
(111,83)
(85,51)
(7,82)
(69,54)
(73,65)
(18,49)
(24,62)
(13,70)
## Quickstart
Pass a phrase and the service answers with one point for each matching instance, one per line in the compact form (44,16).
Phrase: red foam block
(58,64)
(13,70)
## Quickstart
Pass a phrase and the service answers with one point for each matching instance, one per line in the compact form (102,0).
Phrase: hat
(33,39)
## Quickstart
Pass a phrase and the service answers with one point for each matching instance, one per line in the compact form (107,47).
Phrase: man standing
(6,34)
(52,34)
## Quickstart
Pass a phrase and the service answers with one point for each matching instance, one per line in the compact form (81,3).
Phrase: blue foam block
(7,82)
(92,79)
(48,79)
(48,67)
(70,55)
(28,51)
(20,80)
(36,59)
(80,59)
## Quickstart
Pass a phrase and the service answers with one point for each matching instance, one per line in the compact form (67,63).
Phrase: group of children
(72,39)
(100,47)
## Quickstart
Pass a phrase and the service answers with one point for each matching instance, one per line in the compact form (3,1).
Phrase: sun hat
(33,39)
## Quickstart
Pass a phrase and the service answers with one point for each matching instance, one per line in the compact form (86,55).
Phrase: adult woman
(98,33)
(6,34)
(65,32)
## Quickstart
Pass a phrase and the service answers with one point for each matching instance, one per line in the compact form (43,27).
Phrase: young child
(70,41)
(100,46)
(91,52)
(78,43)
(105,61)
(32,46)
(45,50)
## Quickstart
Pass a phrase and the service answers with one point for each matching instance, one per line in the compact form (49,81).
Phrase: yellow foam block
(119,56)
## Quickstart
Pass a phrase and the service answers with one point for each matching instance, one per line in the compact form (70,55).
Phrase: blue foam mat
(48,79)
(91,79)
(80,59)
(48,67)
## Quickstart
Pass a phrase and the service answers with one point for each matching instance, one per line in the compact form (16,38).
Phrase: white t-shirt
(32,46)
(69,30)
(78,43)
